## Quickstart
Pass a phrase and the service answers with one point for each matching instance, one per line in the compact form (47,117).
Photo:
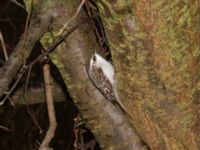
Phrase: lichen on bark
(155,51)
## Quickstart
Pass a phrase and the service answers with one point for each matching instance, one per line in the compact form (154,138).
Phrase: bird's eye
(107,91)
(94,58)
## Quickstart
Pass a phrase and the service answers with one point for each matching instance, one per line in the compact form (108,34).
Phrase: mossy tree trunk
(155,48)
(155,51)
(111,129)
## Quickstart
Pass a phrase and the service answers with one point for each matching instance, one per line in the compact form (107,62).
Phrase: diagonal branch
(109,125)
(58,41)
(38,26)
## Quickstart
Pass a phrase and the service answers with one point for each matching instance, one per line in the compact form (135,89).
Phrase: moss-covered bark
(110,127)
(155,49)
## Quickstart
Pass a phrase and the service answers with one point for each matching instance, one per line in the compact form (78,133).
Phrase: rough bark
(155,49)
(110,127)
(44,16)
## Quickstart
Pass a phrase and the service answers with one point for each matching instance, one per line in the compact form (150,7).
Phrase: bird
(101,73)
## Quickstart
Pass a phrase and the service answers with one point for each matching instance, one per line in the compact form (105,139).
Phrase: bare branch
(50,106)
(18,4)
(38,26)
(51,48)
(4,128)
(3,46)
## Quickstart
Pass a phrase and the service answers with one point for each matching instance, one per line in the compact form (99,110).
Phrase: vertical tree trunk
(155,48)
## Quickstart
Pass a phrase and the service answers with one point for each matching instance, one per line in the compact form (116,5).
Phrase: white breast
(106,67)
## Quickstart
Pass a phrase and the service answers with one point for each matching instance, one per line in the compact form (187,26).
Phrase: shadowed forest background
(50,102)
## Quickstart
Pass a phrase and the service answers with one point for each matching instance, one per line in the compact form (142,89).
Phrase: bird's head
(94,60)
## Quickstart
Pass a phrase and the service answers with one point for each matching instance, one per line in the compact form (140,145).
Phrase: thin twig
(14,85)
(11,102)
(25,101)
(50,106)
(6,56)
(4,128)
(72,18)
(27,79)
(26,27)
(27,23)
(3,46)
(18,4)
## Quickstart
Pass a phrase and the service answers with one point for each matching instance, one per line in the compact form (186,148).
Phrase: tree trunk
(110,127)
(155,49)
